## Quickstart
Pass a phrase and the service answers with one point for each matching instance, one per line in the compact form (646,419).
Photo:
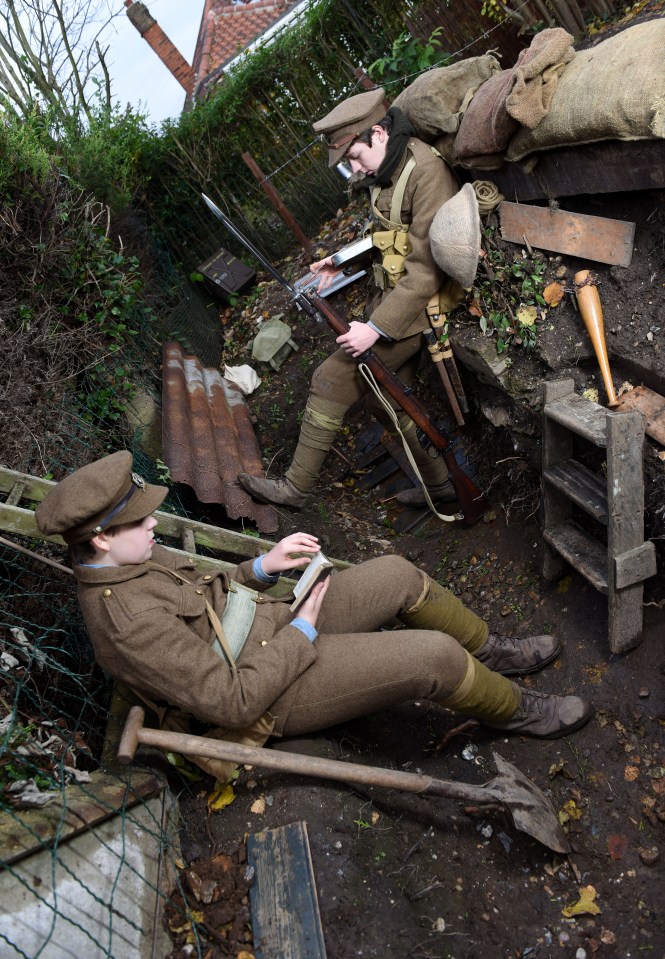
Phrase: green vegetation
(72,304)
(408,57)
(508,296)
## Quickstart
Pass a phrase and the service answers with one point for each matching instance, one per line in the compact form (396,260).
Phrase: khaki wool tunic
(400,311)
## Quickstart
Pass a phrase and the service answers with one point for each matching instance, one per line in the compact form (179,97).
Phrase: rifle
(469,496)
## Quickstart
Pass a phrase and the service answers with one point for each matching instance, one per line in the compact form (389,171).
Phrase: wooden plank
(386,468)
(558,444)
(581,550)
(285,909)
(611,166)
(651,405)
(21,521)
(583,417)
(594,238)
(584,487)
(625,500)
(635,566)
(74,810)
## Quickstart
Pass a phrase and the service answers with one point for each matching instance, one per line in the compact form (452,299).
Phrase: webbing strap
(214,619)
(395,221)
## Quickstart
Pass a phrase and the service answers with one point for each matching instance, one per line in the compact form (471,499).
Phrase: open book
(318,569)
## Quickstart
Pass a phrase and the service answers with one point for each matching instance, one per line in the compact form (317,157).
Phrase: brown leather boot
(545,715)
(416,496)
(280,492)
(517,657)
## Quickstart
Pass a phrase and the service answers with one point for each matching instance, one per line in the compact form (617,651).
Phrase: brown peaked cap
(351,117)
(96,497)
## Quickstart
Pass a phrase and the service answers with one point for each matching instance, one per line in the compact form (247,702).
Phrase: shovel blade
(530,808)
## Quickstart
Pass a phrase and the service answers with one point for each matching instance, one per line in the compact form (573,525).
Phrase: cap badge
(138,481)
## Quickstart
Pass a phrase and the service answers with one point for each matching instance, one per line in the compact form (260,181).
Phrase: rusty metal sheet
(208,437)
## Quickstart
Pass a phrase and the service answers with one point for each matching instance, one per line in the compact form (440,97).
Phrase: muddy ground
(399,875)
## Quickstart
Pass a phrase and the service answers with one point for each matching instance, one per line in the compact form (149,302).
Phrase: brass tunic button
(199,592)
(264,642)
(207,577)
(106,593)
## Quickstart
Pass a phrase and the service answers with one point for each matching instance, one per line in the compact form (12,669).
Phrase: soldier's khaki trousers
(361,668)
(336,385)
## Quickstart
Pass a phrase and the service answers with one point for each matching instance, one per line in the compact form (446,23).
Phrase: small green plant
(408,56)
(163,472)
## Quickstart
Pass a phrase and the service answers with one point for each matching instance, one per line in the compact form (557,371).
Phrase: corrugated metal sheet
(208,437)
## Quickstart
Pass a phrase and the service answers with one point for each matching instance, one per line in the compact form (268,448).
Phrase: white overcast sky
(138,75)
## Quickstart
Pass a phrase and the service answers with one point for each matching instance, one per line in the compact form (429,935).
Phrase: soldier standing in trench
(408,182)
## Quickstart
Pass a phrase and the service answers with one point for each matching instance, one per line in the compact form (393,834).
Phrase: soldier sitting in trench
(214,646)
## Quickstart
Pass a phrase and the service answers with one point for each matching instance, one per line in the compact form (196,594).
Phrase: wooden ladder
(615,501)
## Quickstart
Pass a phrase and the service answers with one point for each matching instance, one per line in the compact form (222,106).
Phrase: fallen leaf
(220,798)
(553,293)
(572,810)
(631,773)
(591,395)
(607,937)
(375,818)
(560,767)
(585,905)
(474,308)
(527,315)
(259,806)
(594,674)
(616,846)
(564,584)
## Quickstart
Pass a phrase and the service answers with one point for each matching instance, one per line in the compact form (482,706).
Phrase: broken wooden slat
(635,565)
(386,468)
(285,908)
(651,405)
(594,238)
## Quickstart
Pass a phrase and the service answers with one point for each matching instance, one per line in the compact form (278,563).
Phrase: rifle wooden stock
(474,506)
(469,496)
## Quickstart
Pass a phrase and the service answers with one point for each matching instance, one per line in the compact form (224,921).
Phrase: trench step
(585,488)
(582,417)
(582,551)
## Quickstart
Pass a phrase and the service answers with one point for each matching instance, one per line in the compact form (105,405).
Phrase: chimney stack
(150,30)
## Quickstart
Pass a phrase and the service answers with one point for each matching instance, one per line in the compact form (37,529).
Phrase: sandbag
(520,95)
(613,91)
(436,100)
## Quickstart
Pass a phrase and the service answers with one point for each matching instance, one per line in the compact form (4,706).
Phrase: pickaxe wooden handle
(531,810)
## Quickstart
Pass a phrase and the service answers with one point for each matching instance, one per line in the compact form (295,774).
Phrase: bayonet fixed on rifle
(469,496)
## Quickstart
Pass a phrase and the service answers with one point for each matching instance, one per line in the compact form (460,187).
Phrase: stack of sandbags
(613,91)
(520,96)
(436,100)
